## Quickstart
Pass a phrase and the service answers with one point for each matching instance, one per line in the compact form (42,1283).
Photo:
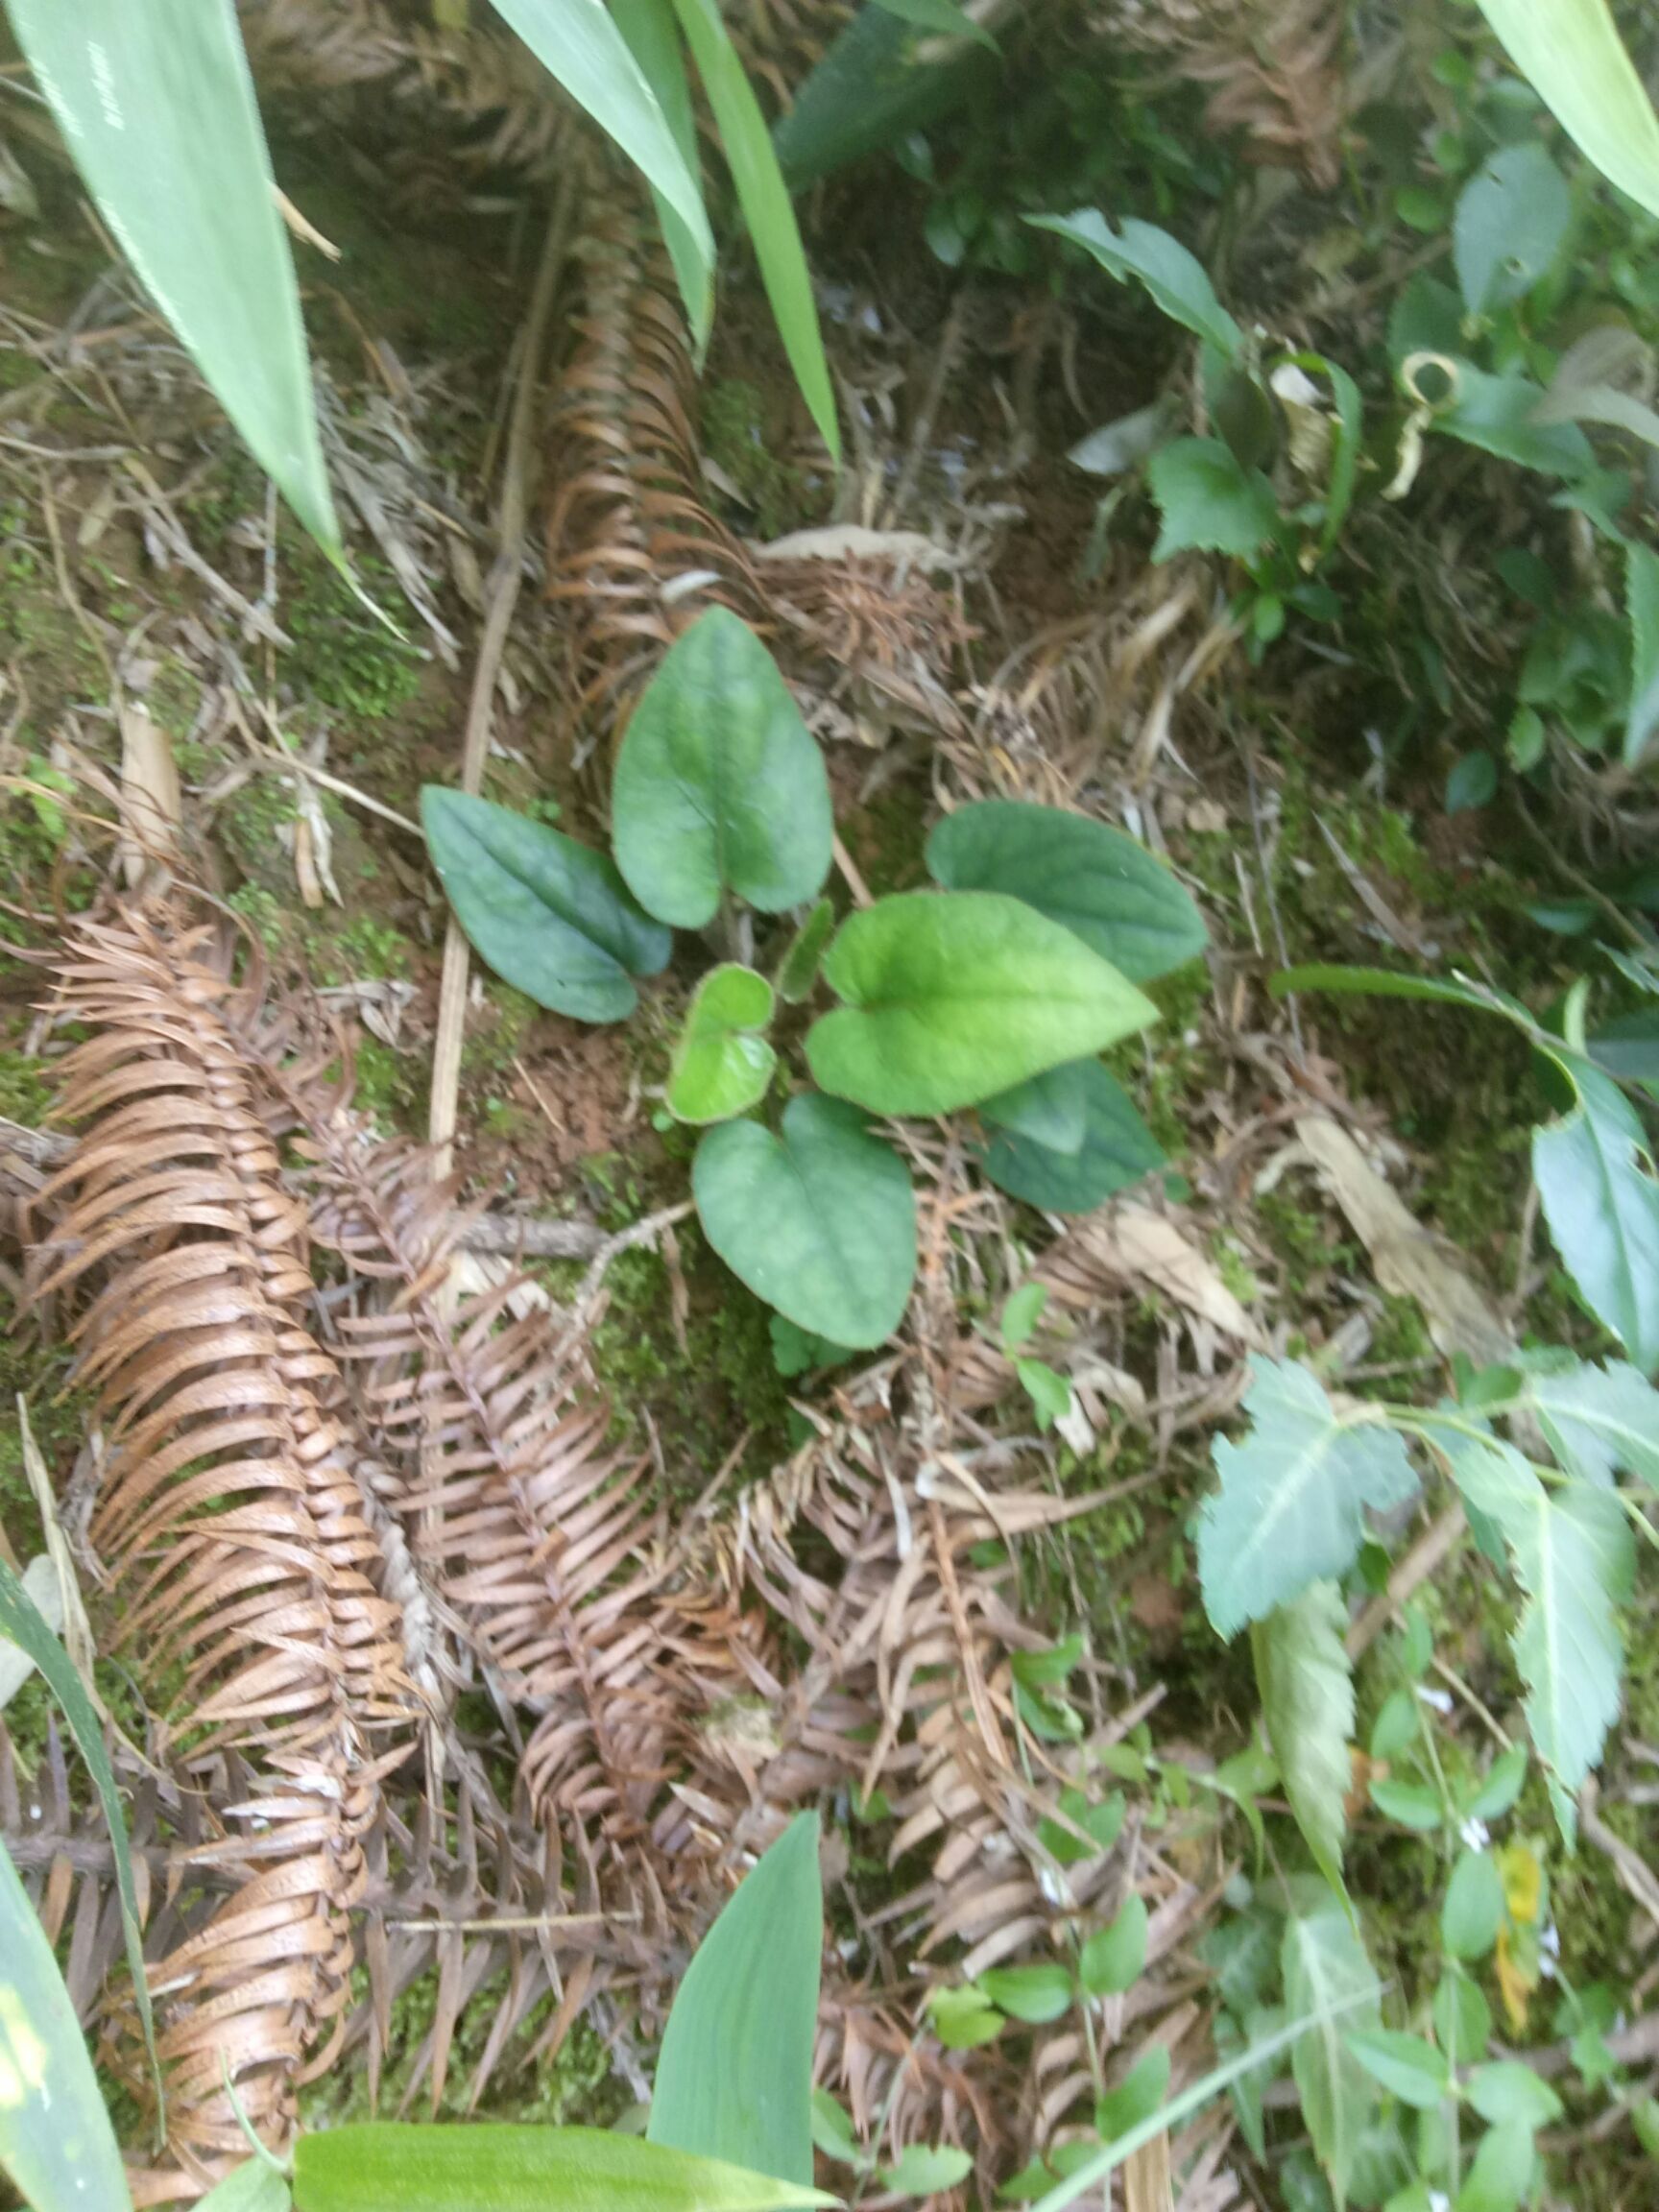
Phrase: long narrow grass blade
(1573,55)
(55,2141)
(734,2077)
(765,199)
(158,107)
(654,41)
(23,1622)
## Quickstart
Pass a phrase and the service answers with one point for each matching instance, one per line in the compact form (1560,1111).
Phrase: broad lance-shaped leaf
(1600,1198)
(1307,1691)
(158,107)
(1329,1982)
(1100,884)
(1174,277)
(1598,1419)
(1291,1508)
(402,2166)
(1572,52)
(722,1065)
(954,995)
(720,786)
(820,1221)
(55,2141)
(734,2076)
(553,918)
(1116,1150)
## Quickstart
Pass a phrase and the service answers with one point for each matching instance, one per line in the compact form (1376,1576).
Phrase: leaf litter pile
(446,1683)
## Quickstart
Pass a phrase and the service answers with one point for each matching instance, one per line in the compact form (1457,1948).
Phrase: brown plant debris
(1273,66)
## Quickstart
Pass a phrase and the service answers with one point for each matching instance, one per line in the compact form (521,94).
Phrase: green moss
(25,1093)
(735,436)
(342,656)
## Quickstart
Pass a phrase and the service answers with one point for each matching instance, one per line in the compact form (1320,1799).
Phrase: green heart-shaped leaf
(553,918)
(722,1065)
(819,1222)
(1051,1110)
(953,997)
(720,786)
(1100,884)
(1117,1148)
(1080,872)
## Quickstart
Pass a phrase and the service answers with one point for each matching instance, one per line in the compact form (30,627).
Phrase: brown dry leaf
(1138,1246)
(152,803)
(1148,2186)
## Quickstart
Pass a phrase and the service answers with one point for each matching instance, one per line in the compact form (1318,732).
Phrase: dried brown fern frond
(229,1515)
(1273,66)
(633,552)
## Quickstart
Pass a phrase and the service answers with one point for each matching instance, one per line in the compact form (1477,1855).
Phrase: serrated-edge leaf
(1567,1642)
(1597,1418)
(1600,1199)
(1176,279)
(1307,1688)
(1328,1980)
(1208,502)
(1290,1509)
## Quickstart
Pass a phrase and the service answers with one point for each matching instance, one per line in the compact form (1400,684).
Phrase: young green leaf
(1289,1510)
(1021,1311)
(1412,1804)
(55,2141)
(1330,1982)
(720,786)
(578,44)
(734,2075)
(1033,1994)
(820,1221)
(1116,1150)
(1504,1780)
(765,199)
(1077,1831)
(553,918)
(798,970)
(1511,223)
(157,109)
(964,2018)
(1051,1110)
(1113,1957)
(1510,2090)
(1050,1392)
(1175,279)
(396,2165)
(924,2170)
(1208,502)
(1472,1911)
(1307,1690)
(1136,2096)
(833,2130)
(954,995)
(1600,1198)
(1572,52)
(21,1620)
(722,1065)
(1103,885)
(1408,2067)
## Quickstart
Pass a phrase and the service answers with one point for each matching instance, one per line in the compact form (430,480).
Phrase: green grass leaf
(1289,1510)
(765,199)
(1572,52)
(405,2166)
(722,1065)
(1329,1982)
(1307,1690)
(820,1221)
(158,107)
(55,2141)
(720,786)
(951,997)
(553,918)
(1103,885)
(1175,279)
(1600,1198)
(1116,1150)
(21,1619)
(1209,501)
(654,41)
(734,2076)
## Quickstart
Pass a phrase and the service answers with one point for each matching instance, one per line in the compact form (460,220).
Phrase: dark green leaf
(1408,2067)
(721,1065)
(819,1222)
(1117,1150)
(1307,1691)
(1472,783)
(765,199)
(55,2141)
(798,1350)
(1498,415)
(395,2166)
(734,2073)
(1176,280)
(799,969)
(1113,1956)
(876,82)
(952,996)
(1033,1994)
(1472,1911)
(654,41)
(1598,1419)
(1511,223)
(1136,2096)
(1289,1510)
(1329,1982)
(1099,883)
(1601,1201)
(1207,502)
(720,786)
(156,107)
(1051,1110)
(941,17)
(553,918)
